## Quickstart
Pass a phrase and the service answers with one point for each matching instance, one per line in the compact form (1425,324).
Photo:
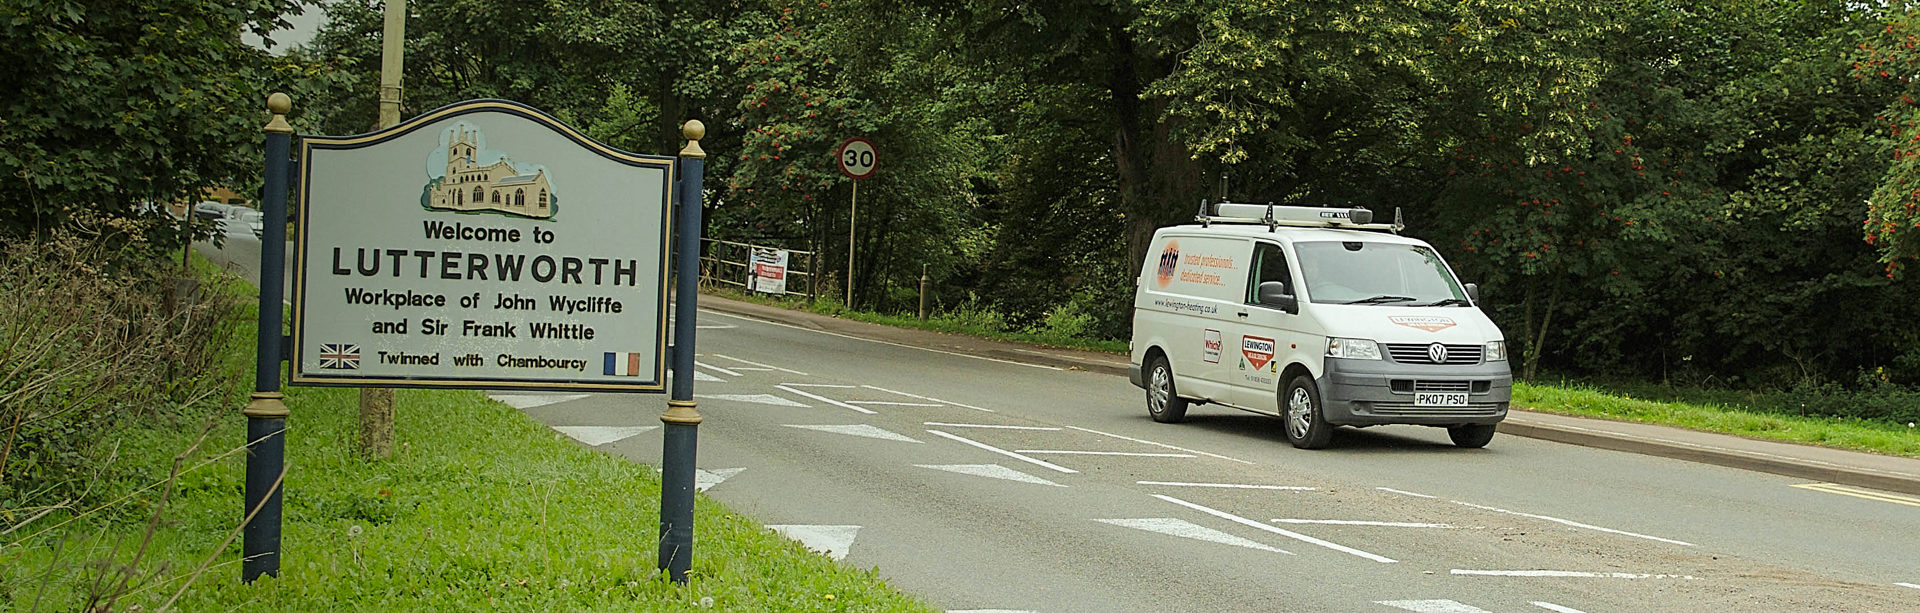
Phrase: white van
(1318,316)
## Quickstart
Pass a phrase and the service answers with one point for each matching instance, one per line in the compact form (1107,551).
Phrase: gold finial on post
(693,130)
(279,104)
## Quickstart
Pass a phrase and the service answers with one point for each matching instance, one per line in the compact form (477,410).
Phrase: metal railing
(730,264)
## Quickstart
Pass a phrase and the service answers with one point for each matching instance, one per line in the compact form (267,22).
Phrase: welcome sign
(482,245)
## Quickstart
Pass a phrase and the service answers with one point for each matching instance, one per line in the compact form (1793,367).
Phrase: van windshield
(1358,272)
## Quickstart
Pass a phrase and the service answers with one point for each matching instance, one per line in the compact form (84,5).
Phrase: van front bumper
(1376,392)
(1134,376)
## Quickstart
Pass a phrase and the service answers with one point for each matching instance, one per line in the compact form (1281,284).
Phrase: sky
(305,25)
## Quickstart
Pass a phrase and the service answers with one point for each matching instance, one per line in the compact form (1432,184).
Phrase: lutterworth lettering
(468,266)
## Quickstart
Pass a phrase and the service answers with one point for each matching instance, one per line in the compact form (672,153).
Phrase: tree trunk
(1157,178)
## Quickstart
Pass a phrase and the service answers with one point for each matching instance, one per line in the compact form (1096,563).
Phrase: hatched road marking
(1111,453)
(1356,522)
(715,368)
(528,401)
(1286,533)
(919,397)
(1577,574)
(832,540)
(1835,488)
(858,430)
(786,387)
(1164,445)
(753,363)
(991,471)
(595,436)
(1431,606)
(942,423)
(1556,608)
(1186,529)
(1034,461)
(1229,485)
(754,398)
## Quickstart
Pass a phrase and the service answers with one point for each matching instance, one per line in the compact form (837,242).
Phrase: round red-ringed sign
(856,158)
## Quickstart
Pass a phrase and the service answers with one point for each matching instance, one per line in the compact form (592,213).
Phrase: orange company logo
(1258,350)
(1430,324)
(1169,261)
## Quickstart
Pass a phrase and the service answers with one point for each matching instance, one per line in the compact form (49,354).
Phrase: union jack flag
(339,356)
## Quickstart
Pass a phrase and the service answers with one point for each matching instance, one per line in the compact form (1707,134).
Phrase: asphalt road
(981,484)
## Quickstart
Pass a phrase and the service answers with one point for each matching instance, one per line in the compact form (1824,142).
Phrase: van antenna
(1223,185)
(1271,225)
(1398,223)
(1202,217)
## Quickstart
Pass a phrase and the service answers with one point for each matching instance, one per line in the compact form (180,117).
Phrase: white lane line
(882,403)
(702,376)
(1112,453)
(858,430)
(1186,529)
(1431,606)
(752,369)
(704,479)
(1282,532)
(1835,488)
(951,425)
(824,399)
(831,540)
(1129,438)
(1405,493)
(1358,522)
(964,406)
(753,363)
(1565,574)
(715,368)
(1034,461)
(1911,585)
(1556,608)
(952,353)
(1228,485)
(754,398)
(991,471)
(827,385)
(595,436)
(1576,524)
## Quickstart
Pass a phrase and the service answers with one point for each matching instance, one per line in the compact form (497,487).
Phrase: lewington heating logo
(1169,261)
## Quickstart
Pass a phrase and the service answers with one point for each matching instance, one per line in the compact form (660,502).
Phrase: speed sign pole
(855,157)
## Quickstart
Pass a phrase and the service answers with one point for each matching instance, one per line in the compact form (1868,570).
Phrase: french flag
(622,364)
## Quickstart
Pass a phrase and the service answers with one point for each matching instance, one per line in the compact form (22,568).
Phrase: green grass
(1729,412)
(1856,434)
(481,508)
(964,320)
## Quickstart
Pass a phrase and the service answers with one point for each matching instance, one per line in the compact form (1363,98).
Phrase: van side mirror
(1274,294)
(1473,293)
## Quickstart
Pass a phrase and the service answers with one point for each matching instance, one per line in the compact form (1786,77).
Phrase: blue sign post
(681,418)
(266,414)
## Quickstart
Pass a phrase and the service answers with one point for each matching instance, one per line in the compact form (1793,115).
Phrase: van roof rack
(1273,216)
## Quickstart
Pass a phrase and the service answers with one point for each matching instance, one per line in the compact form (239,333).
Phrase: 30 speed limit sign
(856,158)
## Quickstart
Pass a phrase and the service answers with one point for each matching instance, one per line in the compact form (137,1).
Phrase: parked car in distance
(211,210)
(255,221)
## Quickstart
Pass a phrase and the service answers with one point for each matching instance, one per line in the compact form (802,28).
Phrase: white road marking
(857,430)
(1186,529)
(942,423)
(992,471)
(1228,485)
(1556,608)
(882,403)
(1911,585)
(1357,522)
(703,376)
(1565,574)
(952,353)
(1576,524)
(1405,493)
(595,436)
(716,368)
(784,386)
(752,369)
(753,363)
(755,398)
(528,401)
(1431,606)
(703,478)
(1112,453)
(1835,488)
(1034,461)
(964,406)
(832,540)
(1286,533)
(1128,438)
(829,385)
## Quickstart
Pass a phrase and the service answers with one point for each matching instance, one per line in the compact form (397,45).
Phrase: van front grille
(1415,353)
(1403,409)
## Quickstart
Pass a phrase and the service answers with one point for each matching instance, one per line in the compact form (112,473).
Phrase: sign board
(769,270)
(855,158)
(482,245)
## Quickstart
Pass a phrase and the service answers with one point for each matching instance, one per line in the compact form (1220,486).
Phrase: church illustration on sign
(480,180)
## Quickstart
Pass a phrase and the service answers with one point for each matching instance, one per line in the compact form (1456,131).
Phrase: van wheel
(1471,436)
(1163,401)
(1306,427)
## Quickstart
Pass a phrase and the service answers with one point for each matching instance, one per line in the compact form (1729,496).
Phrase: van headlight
(1353,349)
(1496,351)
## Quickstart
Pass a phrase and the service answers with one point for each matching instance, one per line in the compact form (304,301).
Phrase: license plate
(1437,399)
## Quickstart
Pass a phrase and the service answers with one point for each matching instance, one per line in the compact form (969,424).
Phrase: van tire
(1471,436)
(1305,424)
(1164,403)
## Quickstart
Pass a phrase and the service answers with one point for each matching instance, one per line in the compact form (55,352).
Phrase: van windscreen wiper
(1449,302)
(1381,299)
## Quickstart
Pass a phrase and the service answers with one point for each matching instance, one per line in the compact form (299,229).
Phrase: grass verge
(1720,414)
(481,508)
